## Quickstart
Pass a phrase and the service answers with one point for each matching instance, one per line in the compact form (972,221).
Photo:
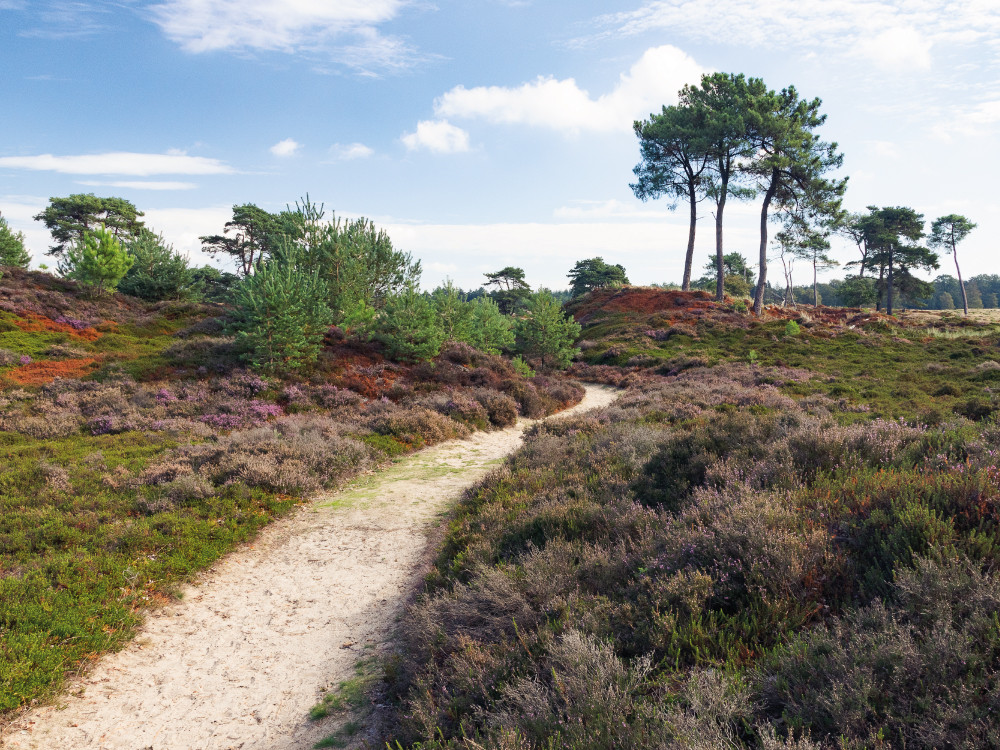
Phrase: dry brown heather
(795,548)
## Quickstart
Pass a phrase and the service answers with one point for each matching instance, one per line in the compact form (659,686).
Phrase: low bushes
(709,563)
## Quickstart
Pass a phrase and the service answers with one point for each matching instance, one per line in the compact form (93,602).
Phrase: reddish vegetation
(33,323)
(639,300)
(679,306)
(40,373)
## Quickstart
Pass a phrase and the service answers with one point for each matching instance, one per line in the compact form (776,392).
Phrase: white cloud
(345,29)
(900,48)
(287,147)
(906,28)
(350,151)
(562,105)
(439,136)
(609,209)
(141,184)
(120,162)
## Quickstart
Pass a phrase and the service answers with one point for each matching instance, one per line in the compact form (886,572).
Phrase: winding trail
(242,657)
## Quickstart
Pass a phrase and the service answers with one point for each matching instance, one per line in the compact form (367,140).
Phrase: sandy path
(240,660)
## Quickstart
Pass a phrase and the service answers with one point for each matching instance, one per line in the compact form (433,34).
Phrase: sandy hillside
(240,660)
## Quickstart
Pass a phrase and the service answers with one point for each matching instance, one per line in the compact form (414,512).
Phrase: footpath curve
(239,660)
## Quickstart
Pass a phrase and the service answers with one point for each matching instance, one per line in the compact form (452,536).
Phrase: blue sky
(479,133)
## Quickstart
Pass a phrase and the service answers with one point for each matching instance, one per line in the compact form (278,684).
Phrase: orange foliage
(40,373)
(31,323)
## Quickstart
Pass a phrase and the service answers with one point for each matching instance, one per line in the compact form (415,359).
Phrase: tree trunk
(720,279)
(689,258)
(758,297)
(888,304)
(961,284)
(815,286)
(879,289)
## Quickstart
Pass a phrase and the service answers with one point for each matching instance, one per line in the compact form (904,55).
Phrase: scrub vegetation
(138,447)
(777,537)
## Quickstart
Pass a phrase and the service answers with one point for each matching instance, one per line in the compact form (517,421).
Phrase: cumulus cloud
(607,209)
(346,29)
(439,136)
(119,163)
(351,151)
(562,105)
(287,147)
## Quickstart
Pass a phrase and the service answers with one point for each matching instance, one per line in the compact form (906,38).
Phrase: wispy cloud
(346,30)
(285,148)
(563,105)
(64,19)
(140,184)
(891,34)
(119,163)
(439,136)
(351,151)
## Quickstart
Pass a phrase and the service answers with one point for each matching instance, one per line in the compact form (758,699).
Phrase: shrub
(280,319)
(12,250)
(546,333)
(792,328)
(408,328)
(158,273)
(98,260)
(490,331)
(919,672)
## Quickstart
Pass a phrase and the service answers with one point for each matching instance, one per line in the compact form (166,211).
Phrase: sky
(481,133)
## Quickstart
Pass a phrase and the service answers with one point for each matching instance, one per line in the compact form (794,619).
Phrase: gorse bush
(280,317)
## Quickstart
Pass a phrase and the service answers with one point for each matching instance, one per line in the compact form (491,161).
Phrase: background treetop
(67,219)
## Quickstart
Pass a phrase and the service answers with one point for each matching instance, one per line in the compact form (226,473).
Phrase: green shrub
(98,260)
(546,333)
(491,331)
(408,327)
(158,272)
(280,318)
(12,250)
(792,328)
(454,313)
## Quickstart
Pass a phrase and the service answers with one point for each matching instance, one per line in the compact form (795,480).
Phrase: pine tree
(98,260)
(408,327)
(12,250)
(454,313)
(280,318)
(158,273)
(546,333)
(491,331)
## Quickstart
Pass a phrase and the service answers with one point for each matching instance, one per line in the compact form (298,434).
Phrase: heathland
(783,534)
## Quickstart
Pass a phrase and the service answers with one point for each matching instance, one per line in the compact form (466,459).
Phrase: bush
(408,328)
(158,272)
(491,331)
(12,250)
(920,672)
(280,318)
(792,328)
(546,333)
(98,260)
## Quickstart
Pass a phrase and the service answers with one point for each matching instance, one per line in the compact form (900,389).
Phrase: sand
(240,659)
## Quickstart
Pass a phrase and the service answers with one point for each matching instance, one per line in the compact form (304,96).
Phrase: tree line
(732,137)
(298,273)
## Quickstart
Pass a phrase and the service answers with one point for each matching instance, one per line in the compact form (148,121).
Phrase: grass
(351,698)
